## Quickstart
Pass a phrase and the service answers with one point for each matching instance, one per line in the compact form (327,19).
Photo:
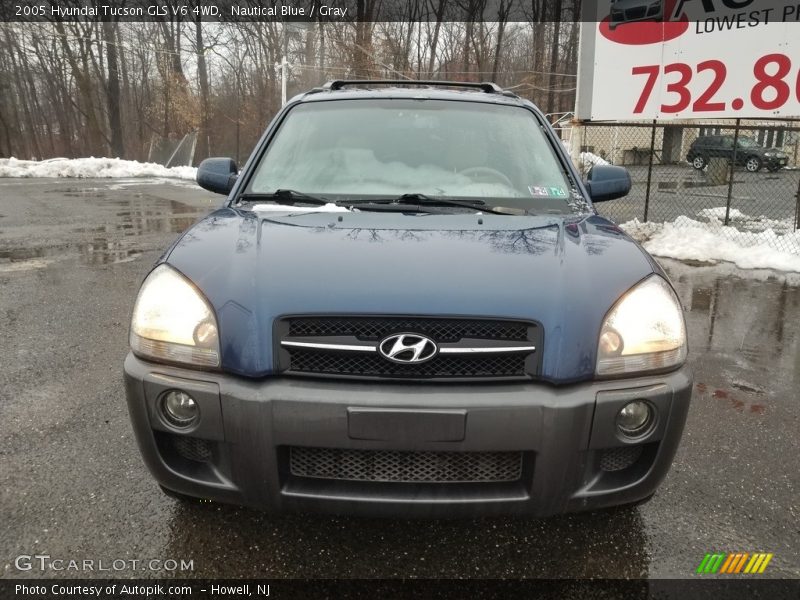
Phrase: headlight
(172,321)
(643,331)
(770,154)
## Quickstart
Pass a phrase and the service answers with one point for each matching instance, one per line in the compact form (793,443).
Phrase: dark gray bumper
(563,433)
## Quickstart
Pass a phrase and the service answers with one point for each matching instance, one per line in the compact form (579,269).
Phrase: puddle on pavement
(104,252)
(745,325)
(99,251)
(109,243)
(142,216)
(23,259)
(142,223)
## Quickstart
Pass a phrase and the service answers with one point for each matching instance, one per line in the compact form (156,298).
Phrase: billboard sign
(687,59)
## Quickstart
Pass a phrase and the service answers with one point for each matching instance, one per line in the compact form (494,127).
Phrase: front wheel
(699,162)
(753,164)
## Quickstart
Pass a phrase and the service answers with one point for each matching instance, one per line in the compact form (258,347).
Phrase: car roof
(428,91)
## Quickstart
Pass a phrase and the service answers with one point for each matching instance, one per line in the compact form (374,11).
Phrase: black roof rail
(485,86)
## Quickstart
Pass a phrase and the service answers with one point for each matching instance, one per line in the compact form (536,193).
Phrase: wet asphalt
(72,485)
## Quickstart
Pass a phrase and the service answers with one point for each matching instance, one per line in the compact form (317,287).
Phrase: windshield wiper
(423,200)
(286,196)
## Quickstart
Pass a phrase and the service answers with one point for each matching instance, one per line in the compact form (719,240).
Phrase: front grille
(368,332)
(370,365)
(441,330)
(636,13)
(617,459)
(393,466)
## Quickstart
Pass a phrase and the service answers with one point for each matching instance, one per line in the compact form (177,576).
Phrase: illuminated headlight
(172,321)
(643,331)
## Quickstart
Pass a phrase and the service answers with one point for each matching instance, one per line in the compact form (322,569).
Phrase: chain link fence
(739,178)
(172,152)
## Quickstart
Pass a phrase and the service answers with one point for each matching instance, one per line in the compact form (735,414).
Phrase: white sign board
(688,59)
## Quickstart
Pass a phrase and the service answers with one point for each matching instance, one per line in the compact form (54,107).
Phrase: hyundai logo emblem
(408,348)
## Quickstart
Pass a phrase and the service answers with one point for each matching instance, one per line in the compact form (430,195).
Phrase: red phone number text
(772,89)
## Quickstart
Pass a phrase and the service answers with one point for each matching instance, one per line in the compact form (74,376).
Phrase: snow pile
(588,160)
(746,222)
(719,213)
(90,167)
(330,207)
(687,239)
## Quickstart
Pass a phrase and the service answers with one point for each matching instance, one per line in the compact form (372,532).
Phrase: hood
(563,272)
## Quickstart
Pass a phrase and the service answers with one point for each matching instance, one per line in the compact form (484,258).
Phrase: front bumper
(774,162)
(564,435)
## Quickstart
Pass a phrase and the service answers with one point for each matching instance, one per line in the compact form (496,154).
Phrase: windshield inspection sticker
(536,190)
(540,191)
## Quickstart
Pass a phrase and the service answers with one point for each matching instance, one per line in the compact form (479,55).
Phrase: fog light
(635,418)
(179,408)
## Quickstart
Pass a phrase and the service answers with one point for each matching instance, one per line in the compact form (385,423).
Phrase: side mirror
(607,182)
(217,175)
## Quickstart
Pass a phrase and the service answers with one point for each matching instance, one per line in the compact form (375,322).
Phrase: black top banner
(290,10)
(533,11)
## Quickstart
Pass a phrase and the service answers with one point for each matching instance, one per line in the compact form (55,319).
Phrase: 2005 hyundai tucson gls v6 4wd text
(408,305)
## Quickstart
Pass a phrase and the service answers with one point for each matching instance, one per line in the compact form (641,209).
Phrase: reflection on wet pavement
(749,318)
(115,240)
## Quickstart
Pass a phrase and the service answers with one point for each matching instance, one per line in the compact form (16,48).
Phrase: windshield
(357,149)
(747,142)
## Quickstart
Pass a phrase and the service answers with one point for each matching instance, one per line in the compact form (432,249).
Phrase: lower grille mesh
(192,448)
(616,459)
(405,467)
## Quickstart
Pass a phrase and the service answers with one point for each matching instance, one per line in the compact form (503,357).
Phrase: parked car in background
(748,153)
(632,11)
(408,305)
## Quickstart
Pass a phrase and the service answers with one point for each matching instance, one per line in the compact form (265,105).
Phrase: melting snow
(588,160)
(90,167)
(330,207)
(711,241)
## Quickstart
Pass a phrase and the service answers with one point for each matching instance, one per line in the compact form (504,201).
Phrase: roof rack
(486,86)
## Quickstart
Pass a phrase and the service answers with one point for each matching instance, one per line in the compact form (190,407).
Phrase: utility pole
(284,77)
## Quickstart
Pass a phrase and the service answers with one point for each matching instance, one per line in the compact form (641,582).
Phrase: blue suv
(408,305)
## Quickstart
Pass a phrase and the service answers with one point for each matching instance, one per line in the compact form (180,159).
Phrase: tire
(699,162)
(752,164)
